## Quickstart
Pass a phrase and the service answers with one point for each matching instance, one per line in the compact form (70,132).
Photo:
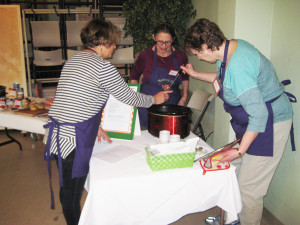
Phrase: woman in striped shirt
(86,81)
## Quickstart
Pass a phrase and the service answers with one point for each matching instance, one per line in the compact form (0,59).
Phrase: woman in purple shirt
(159,65)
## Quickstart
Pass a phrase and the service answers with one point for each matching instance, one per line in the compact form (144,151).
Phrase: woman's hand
(189,69)
(233,153)
(205,76)
(161,97)
(134,81)
(182,101)
(102,134)
(230,155)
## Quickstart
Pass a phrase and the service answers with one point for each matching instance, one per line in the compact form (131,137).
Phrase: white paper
(116,153)
(137,128)
(117,116)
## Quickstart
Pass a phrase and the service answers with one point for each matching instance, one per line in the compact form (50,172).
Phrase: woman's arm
(233,153)
(205,76)
(114,84)
(185,88)
(247,140)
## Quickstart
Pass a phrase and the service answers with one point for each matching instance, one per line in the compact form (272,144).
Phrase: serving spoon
(179,72)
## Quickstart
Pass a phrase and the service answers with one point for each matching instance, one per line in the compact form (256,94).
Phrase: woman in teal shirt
(260,110)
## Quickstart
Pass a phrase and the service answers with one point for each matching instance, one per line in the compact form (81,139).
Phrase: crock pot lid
(169,110)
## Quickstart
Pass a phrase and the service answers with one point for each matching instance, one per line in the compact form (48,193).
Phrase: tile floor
(24,187)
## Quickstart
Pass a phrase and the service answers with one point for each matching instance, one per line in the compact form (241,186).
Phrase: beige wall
(253,22)
(223,14)
(284,194)
(273,27)
(226,21)
(207,9)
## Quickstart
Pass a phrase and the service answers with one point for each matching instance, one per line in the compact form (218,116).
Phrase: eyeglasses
(167,43)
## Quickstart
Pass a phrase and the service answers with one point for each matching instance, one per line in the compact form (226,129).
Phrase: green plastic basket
(170,161)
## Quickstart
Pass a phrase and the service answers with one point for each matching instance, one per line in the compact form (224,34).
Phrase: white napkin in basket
(175,148)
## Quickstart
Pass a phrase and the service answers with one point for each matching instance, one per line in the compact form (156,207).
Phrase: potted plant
(142,16)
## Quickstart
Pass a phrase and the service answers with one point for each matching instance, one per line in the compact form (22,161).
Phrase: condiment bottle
(21,93)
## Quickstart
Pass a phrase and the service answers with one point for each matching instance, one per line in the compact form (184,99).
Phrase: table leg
(222,217)
(11,140)
(34,136)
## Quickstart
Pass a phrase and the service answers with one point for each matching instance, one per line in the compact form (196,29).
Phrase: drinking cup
(164,136)
(174,138)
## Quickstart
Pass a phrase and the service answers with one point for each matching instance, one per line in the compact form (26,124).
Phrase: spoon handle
(179,72)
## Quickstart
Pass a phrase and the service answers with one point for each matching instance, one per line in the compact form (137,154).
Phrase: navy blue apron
(86,133)
(263,144)
(158,78)
(292,99)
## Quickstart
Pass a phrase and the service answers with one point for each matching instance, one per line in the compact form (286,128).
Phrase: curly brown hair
(98,32)
(202,32)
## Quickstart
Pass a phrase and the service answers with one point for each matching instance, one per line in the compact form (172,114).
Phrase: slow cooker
(175,118)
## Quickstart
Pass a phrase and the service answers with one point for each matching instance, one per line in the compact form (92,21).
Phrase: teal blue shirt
(250,81)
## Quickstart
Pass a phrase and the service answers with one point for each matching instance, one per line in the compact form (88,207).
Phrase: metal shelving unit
(62,11)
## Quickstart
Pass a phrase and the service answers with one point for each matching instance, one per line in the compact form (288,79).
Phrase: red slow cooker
(175,118)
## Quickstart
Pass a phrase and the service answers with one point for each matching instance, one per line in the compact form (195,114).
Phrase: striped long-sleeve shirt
(84,86)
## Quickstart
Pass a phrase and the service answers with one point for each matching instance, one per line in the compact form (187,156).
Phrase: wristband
(238,150)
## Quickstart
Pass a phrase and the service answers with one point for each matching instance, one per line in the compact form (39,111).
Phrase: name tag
(216,85)
(173,72)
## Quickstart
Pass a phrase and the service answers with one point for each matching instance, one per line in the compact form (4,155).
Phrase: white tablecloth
(21,122)
(126,191)
(12,120)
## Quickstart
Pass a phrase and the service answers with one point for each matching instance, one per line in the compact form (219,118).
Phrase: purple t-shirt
(145,63)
